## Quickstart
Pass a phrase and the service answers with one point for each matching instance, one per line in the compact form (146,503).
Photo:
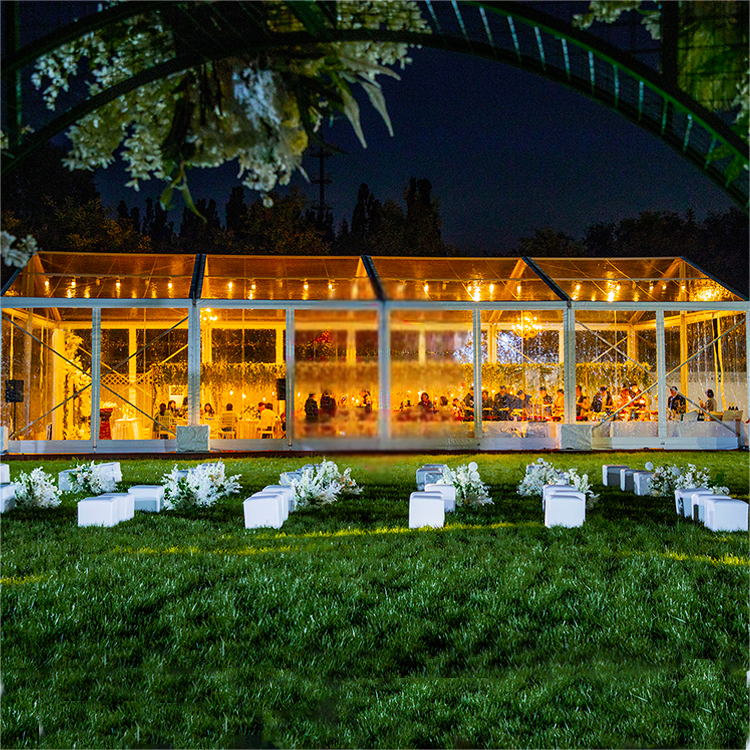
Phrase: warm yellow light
(611,297)
(169,286)
(231,393)
(492,288)
(578,287)
(477,295)
(73,284)
(230,285)
(518,289)
(426,288)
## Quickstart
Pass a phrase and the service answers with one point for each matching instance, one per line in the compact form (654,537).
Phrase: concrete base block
(575,437)
(4,474)
(192,438)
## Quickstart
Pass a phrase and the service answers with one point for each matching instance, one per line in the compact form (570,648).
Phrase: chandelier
(526,327)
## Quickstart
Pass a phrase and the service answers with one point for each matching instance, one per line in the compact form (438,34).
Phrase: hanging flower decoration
(17,255)
(261,110)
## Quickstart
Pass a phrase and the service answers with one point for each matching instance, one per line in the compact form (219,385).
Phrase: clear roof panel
(263,277)
(105,276)
(633,280)
(461,280)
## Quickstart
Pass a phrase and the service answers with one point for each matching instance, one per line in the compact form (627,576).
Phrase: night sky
(506,151)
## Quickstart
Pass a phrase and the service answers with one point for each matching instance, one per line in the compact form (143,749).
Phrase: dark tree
(235,210)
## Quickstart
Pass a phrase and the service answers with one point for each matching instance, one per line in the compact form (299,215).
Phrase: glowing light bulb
(426,288)
(611,297)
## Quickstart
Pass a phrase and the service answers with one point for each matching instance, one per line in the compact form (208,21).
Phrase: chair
(228,425)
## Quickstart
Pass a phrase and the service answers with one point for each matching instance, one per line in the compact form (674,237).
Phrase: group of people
(630,404)
(326,410)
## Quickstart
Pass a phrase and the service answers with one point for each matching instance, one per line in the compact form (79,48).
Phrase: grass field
(347,629)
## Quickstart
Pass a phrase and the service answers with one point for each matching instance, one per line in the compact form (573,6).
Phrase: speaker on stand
(14,395)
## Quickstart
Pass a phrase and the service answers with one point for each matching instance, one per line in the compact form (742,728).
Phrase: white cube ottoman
(626,480)
(148,497)
(725,514)
(126,504)
(448,493)
(99,511)
(426,509)
(682,500)
(565,492)
(611,474)
(65,480)
(436,470)
(288,492)
(287,477)
(548,488)
(112,469)
(281,497)
(642,482)
(4,474)
(698,503)
(564,510)
(262,510)
(7,496)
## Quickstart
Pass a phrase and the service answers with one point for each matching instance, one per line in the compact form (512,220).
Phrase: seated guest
(710,403)
(602,401)
(424,406)
(545,404)
(622,400)
(501,407)
(582,404)
(676,404)
(311,409)
(558,405)
(267,421)
(208,411)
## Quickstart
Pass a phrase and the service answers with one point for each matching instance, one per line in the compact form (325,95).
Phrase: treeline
(288,226)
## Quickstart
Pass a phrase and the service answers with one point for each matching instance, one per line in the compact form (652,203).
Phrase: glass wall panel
(432,374)
(243,373)
(522,373)
(616,372)
(336,378)
(143,365)
(706,351)
(46,366)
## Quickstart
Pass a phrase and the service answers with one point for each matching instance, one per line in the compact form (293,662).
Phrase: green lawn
(347,629)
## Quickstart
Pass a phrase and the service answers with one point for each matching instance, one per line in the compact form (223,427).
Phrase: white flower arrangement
(470,490)
(259,112)
(37,490)
(20,254)
(669,478)
(202,487)
(322,485)
(93,479)
(542,472)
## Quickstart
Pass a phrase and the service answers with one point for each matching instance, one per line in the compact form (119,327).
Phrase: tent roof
(56,275)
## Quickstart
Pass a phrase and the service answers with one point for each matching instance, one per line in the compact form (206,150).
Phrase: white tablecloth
(125,429)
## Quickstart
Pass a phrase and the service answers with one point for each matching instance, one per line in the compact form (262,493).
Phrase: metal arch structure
(507,32)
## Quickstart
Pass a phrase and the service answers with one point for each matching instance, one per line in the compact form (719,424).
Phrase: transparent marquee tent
(373,353)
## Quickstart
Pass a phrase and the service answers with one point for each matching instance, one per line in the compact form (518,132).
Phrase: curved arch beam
(506,32)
